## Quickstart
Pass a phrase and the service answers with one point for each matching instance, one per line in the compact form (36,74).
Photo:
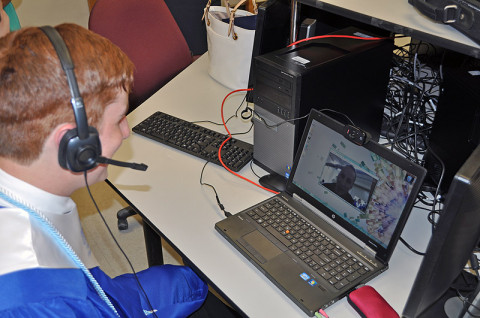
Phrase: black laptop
(346,202)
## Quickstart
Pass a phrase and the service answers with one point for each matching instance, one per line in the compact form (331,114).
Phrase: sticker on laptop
(304,276)
(307,278)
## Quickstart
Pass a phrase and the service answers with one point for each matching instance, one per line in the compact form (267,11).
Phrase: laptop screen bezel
(381,253)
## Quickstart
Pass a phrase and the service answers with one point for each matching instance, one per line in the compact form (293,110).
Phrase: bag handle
(230,13)
(254,3)
(205,12)
(207,9)
(231,24)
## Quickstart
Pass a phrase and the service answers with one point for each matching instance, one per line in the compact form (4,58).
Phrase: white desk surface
(170,196)
(400,17)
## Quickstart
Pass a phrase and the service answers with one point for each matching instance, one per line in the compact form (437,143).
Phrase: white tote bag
(229,46)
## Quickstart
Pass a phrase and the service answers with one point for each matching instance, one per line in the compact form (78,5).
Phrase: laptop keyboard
(314,248)
(195,140)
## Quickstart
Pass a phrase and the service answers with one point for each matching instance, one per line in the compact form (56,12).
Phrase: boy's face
(345,180)
(113,129)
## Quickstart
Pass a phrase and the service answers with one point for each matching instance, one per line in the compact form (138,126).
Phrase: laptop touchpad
(259,246)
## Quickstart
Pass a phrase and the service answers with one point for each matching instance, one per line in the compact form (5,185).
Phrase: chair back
(147,32)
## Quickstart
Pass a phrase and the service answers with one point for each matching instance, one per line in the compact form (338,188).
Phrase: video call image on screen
(356,184)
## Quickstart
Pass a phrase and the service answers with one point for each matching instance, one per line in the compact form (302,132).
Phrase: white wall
(51,12)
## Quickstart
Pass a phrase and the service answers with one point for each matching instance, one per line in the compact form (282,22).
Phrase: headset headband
(67,65)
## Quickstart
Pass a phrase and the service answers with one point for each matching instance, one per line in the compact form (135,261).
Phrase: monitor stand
(454,307)
(274,182)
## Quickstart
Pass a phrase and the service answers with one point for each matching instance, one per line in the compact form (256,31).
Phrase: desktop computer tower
(343,75)
(456,127)
(272,32)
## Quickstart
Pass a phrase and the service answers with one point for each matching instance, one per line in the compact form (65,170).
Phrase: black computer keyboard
(314,248)
(195,140)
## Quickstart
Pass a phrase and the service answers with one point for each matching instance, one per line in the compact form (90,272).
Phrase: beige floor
(131,241)
(103,245)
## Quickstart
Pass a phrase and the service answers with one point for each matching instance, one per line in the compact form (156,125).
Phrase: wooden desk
(170,197)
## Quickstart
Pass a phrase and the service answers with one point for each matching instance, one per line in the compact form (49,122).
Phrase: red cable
(336,36)
(230,137)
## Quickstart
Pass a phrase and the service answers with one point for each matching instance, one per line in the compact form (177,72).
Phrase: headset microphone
(132,165)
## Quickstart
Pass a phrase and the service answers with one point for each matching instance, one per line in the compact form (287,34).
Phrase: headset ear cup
(77,154)
(63,147)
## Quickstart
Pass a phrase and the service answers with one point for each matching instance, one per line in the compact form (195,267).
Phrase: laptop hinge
(369,249)
(333,223)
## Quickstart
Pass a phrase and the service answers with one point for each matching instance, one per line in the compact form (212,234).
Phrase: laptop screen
(366,189)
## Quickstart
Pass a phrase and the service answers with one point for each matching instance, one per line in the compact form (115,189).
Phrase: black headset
(80,147)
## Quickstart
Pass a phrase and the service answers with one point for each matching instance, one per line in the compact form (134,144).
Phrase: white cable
(60,240)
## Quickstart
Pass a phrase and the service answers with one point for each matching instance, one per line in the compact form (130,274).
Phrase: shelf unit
(396,16)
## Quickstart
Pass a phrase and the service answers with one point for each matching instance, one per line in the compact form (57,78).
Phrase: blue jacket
(48,270)
(174,291)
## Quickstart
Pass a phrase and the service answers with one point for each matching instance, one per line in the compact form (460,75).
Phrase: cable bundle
(411,102)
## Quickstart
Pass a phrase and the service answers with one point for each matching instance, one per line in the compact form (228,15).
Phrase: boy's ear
(60,131)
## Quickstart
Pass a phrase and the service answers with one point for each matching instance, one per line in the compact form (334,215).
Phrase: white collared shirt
(24,243)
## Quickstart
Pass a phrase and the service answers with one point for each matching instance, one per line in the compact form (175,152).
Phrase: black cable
(475,267)
(251,168)
(217,198)
(472,314)
(465,301)
(243,101)
(338,113)
(474,264)
(411,248)
(437,191)
(220,205)
(302,117)
(421,200)
(118,245)
(245,132)
(246,110)
(411,101)
(211,122)
(278,124)
(422,196)
(422,208)
(233,116)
